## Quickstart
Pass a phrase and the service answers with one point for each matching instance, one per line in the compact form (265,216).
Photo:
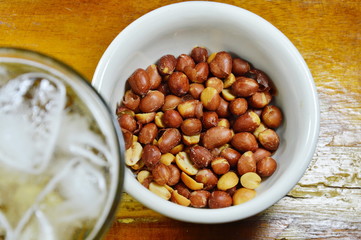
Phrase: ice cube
(31,107)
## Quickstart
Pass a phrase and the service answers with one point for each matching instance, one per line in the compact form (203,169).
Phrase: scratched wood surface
(326,203)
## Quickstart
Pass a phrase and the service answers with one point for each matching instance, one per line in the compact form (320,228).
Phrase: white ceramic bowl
(176,29)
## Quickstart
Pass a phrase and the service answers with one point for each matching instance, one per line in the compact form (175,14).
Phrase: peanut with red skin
(172,118)
(139,82)
(178,83)
(272,116)
(219,199)
(161,173)
(207,177)
(166,64)
(151,102)
(240,66)
(154,77)
(199,198)
(221,65)
(244,87)
(170,138)
(266,167)
(209,119)
(199,54)
(151,155)
(127,122)
(244,141)
(183,61)
(216,137)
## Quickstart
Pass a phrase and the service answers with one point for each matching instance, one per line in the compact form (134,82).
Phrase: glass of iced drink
(61,168)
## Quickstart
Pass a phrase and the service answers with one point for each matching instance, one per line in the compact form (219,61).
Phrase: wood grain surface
(326,203)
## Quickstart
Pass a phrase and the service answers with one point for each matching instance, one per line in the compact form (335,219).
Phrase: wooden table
(326,203)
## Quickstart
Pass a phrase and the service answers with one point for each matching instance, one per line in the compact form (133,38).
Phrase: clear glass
(61,161)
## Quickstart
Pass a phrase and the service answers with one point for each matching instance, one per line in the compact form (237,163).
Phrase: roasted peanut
(219,199)
(199,198)
(154,77)
(216,137)
(259,129)
(266,166)
(272,116)
(164,88)
(187,109)
(172,118)
(227,181)
(207,177)
(143,177)
(250,180)
(197,74)
(131,100)
(180,199)
(200,156)
(238,106)
(170,138)
(229,80)
(148,133)
(261,153)
(191,126)
(182,189)
(231,156)
(221,65)
(215,83)
(175,150)
(247,122)
(161,173)
(190,182)
(178,83)
(269,139)
(152,101)
(223,109)
(151,155)
(243,195)
(185,164)
(167,158)
(174,175)
(260,99)
(183,61)
(223,122)
(171,102)
(240,66)
(209,119)
(246,163)
(159,190)
(210,98)
(228,95)
(145,118)
(199,54)
(133,154)
(244,87)
(220,165)
(139,82)
(262,79)
(128,138)
(244,141)
(127,122)
(191,140)
(158,120)
(166,64)
(195,90)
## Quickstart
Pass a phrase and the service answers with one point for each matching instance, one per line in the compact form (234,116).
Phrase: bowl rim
(229,214)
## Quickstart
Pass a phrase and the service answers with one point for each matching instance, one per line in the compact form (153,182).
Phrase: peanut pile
(199,129)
